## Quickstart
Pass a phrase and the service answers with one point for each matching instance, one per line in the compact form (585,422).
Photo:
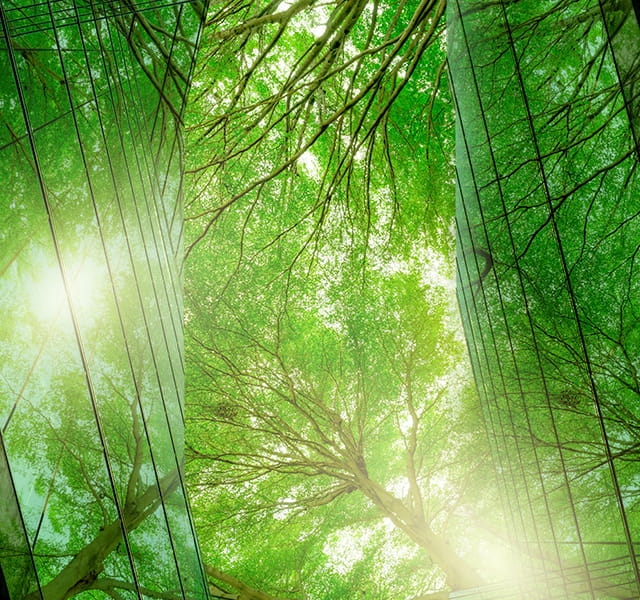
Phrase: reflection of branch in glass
(83,572)
(110,586)
(486,267)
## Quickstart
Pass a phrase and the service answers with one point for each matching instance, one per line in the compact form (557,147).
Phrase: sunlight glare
(49,298)
(318,30)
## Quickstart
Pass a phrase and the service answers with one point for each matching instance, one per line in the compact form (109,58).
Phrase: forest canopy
(336,445)
(405,378)
(333,432)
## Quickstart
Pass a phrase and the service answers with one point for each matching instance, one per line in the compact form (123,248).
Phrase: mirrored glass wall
(547,95)
(92,500)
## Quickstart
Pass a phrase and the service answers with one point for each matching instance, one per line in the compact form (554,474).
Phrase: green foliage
(324,353)
(91,343)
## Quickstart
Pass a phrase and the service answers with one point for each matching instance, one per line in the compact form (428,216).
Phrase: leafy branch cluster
(310,87)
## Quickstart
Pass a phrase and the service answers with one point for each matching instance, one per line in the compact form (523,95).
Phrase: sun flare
(51,295)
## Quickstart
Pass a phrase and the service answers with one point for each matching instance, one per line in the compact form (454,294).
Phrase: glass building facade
(92,499)
(548,101)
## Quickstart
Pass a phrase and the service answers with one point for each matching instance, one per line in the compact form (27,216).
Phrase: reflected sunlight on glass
(48,295)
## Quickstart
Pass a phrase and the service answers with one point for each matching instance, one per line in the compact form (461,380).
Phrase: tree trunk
(460,574)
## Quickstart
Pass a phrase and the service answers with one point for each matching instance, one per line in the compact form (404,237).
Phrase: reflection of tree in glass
(90,394)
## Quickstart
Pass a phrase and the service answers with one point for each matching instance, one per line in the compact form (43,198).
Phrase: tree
(275,96)
(285,165)
(320,357)
(327,373)
(322,385)
(294,309)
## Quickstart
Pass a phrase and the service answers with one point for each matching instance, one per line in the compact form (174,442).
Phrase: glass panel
(92,376)
(547,161)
